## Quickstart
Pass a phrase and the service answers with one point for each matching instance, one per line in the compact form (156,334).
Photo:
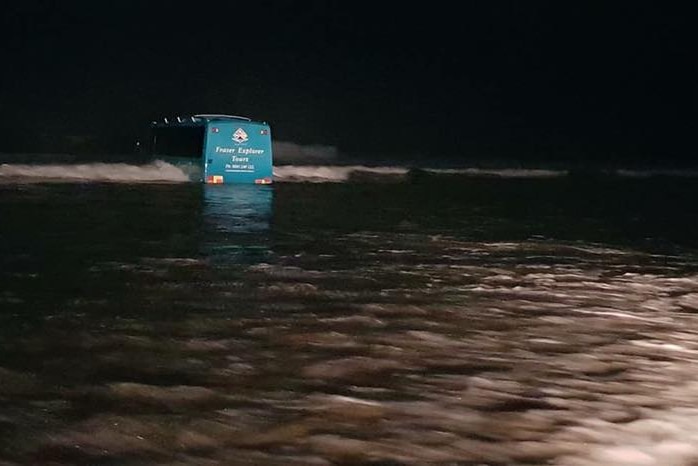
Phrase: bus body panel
(237,152)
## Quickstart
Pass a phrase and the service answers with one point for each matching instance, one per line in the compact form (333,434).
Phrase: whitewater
(160,171)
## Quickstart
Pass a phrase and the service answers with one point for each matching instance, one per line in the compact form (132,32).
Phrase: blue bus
(214,148)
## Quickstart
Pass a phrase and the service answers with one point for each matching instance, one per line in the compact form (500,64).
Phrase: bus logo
(240,136)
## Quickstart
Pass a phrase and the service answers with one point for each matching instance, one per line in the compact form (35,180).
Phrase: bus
(215,149)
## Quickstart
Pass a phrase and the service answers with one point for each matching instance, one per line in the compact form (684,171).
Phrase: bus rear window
(182,141)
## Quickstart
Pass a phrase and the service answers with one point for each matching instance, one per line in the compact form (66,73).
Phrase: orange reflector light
(262,181)
(215,179)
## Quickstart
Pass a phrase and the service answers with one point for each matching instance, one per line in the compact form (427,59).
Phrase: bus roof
(198,119)
(216,116)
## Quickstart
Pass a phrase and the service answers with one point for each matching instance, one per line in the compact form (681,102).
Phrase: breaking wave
(338,174)
(333,174)
(158,171)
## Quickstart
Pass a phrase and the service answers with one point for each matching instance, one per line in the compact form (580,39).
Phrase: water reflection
(237,221)
(239,208)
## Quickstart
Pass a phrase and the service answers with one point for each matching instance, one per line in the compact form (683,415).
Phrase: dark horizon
(533,83)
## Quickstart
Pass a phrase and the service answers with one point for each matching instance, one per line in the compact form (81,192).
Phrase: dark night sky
(518,80)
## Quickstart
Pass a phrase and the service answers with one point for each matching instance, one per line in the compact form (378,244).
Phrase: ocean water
(347,315)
